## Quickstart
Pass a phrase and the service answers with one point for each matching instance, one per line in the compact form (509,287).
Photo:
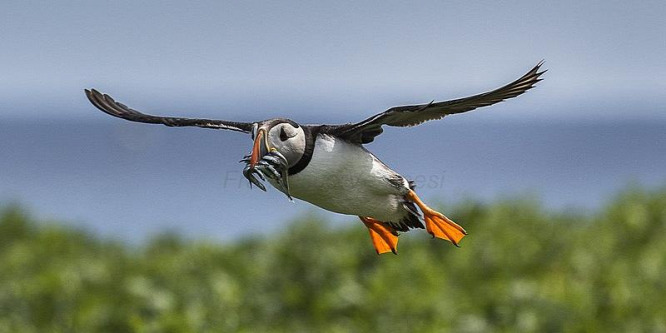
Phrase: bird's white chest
(347,179)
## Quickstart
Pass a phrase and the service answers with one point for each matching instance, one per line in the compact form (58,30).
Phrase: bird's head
(278,145)
(283,136)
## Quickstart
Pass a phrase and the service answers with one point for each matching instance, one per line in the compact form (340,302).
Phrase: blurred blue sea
(134,180)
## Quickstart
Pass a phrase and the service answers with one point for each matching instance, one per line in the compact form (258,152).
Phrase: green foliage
(520,269)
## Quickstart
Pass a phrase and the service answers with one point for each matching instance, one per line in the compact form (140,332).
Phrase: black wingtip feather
(410,115)
(108,105)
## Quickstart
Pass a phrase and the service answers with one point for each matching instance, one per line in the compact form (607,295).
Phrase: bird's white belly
(347,179)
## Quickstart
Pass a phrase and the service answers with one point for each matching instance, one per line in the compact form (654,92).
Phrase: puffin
(329,166)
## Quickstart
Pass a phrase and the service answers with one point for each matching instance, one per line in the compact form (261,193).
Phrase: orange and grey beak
(260,147)
(258,164)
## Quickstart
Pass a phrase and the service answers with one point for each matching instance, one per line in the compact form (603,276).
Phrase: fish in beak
(265,160)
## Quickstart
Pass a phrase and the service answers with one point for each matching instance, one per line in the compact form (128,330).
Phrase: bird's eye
(283,134)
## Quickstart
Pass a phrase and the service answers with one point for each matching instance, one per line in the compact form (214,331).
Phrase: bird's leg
(436,223)
(384,238)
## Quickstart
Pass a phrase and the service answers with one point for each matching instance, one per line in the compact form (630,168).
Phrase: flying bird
(328,166)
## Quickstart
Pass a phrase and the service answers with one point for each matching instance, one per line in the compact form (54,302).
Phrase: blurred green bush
(521,269)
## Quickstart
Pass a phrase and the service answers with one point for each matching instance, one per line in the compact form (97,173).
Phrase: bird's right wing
(411,115)
(105,103)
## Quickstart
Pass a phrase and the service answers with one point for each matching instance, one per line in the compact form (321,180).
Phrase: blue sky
(336,60)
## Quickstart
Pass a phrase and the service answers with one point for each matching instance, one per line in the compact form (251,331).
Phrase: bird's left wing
(105,103)
(411,115)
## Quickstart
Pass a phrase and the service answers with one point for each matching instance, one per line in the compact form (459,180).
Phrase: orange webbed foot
(384,238)
(437,224)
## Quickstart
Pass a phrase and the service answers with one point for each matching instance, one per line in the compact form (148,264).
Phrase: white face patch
(288,140)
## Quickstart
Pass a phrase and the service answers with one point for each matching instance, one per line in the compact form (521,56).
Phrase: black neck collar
(310,137)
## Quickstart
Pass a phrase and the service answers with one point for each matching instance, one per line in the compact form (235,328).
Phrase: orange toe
(384,238)
(442,227)
(437,224)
